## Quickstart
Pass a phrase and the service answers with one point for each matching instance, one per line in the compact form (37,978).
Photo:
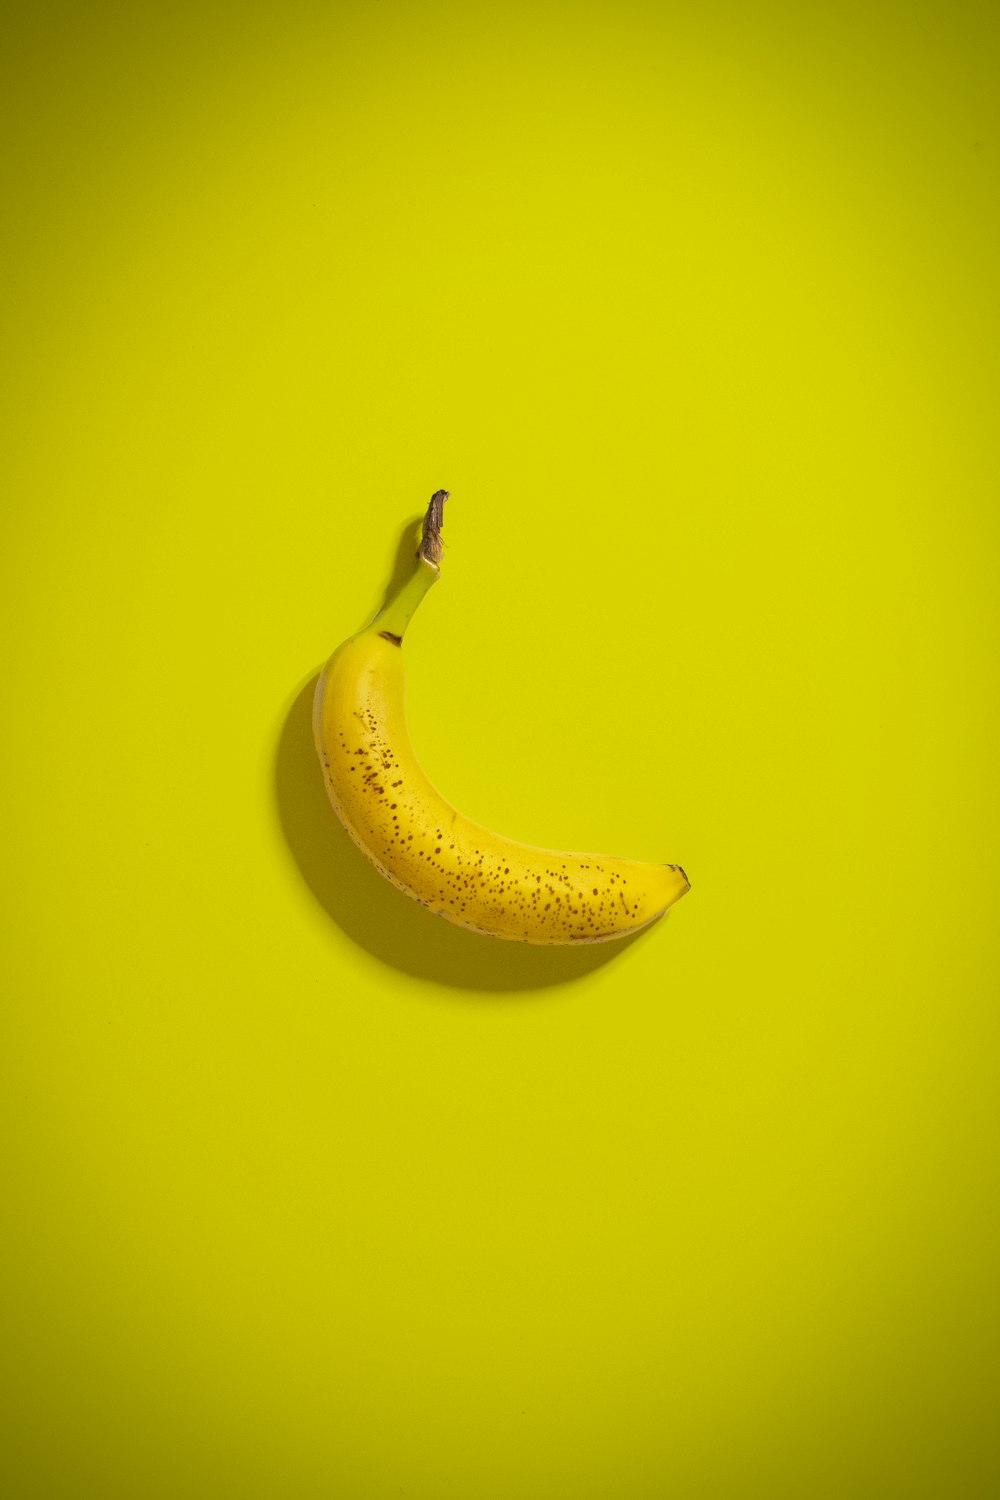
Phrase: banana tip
(683,874)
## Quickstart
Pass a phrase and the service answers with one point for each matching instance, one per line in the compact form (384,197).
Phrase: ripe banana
(426,847)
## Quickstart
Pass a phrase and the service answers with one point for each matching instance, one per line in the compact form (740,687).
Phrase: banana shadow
(374,914)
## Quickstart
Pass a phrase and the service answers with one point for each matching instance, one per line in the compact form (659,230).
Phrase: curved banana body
(430,850)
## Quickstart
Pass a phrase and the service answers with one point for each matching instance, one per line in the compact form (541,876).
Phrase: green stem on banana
(392,620)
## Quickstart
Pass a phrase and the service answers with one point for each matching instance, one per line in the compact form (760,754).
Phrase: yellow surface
(694,309)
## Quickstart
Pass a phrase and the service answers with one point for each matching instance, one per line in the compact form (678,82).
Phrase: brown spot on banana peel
(387,635)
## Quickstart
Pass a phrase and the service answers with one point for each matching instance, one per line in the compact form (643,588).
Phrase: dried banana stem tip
(431,546)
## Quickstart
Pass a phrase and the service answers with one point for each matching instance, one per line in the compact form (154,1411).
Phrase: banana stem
(431,546)
(392,621)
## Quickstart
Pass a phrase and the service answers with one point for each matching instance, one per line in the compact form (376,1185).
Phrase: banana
(422,844)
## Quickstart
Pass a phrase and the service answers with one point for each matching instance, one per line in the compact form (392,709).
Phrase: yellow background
(694,309)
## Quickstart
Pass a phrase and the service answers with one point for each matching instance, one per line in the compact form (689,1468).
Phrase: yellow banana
(425,846)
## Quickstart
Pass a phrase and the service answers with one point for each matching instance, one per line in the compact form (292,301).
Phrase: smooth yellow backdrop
(694,309)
